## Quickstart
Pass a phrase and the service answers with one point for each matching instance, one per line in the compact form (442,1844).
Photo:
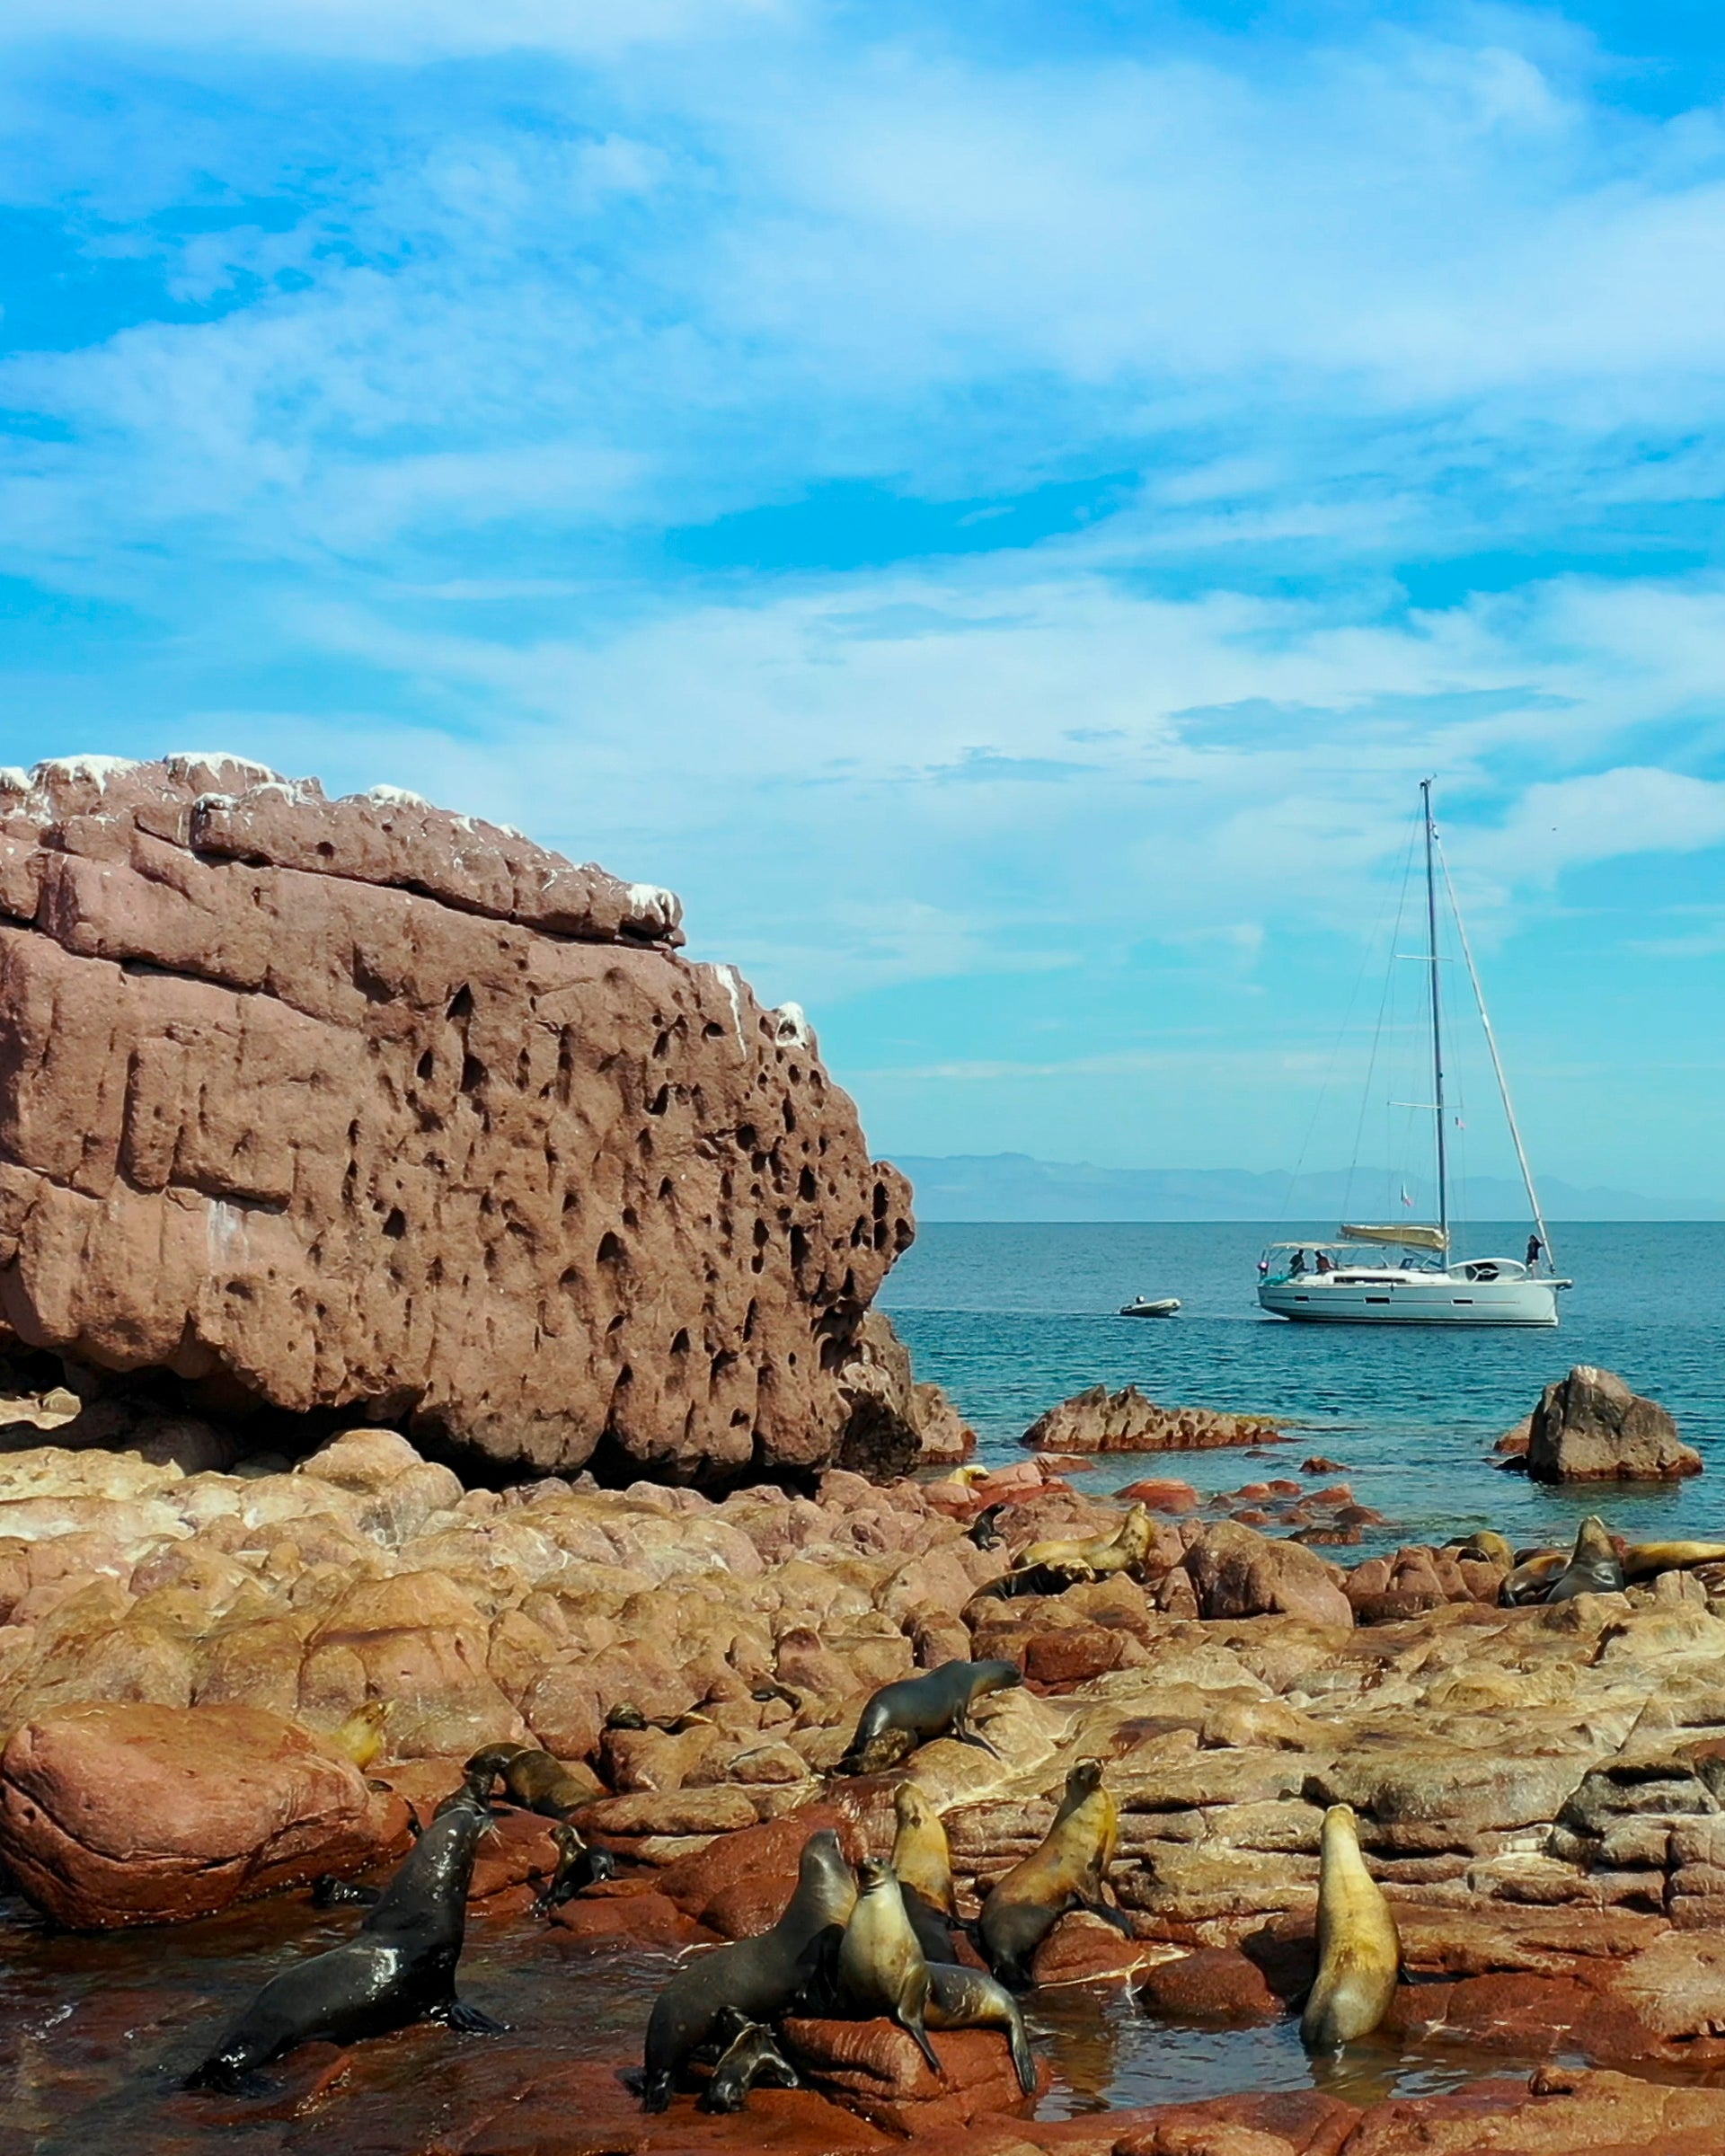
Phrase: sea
(1010,1318)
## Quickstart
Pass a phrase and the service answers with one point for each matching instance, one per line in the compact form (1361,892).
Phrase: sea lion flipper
(473,2020)
(913,2027)
(1110,1914)
(966,1734)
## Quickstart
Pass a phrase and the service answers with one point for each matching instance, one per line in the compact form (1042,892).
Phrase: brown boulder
(114,1816)
(357,1104)
(1101,1421)
(1236,1572)
(1590,1428)
(874,2069)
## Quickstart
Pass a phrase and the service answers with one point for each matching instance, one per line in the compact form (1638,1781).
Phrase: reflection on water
(95,2033)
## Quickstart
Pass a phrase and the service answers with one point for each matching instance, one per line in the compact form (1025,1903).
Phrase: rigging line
(1497,1063)
(1377,1030)
(1366,950)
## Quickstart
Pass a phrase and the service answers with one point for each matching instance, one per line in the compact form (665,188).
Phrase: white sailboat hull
(1422,1298)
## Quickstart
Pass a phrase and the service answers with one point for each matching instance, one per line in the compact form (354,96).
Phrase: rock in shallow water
(1590,1428)
(113,1815)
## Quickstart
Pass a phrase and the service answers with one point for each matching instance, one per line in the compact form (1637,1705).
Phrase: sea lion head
(1136,1530)
(1592,1543)
(996,1676)
(874,1873)
(1085,1777)
(912,1807)
(625,1715)
(825,1881)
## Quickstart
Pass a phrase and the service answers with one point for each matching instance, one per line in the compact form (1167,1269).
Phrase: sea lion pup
(1093,1557)
(750,2058)
(757,1976)
(578,1865)
(1593,1569)
(1359,1952)
(924,1864)
(1067,1870)
(936,1704)
(984,1530)
(961,1998)
(531,1778)
(360,1737)
(399,1967)
(882,1968)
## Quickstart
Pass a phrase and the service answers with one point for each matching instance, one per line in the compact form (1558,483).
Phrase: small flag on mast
(1406,1200)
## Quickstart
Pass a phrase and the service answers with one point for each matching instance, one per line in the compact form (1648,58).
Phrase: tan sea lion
(882,1968)
(1359,1954)
(1534,1571)
(531,1778)
(1068,1870)
(1091,1558)
(1488,1546)
(924,1863)
(1647,1560)
(1594,1567)
(360,1737)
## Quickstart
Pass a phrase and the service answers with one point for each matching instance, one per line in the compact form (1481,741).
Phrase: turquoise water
(1011,1318)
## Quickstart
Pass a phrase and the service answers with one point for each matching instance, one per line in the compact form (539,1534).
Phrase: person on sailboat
(1534,1246)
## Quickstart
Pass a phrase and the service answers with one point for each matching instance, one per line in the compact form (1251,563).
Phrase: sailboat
(1356,1281)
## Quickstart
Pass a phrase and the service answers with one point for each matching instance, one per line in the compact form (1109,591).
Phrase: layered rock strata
(1099,1422)
(313,1105)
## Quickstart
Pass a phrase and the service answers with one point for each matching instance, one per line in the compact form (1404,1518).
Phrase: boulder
(1101,1421)
(1590,1428)
(316,1105)
(1236,1572)
(113,1815)
(875,2070)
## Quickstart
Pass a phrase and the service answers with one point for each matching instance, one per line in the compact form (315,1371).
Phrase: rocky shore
(1541,1791)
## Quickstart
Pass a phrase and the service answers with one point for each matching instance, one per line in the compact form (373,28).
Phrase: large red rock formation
(359,1104)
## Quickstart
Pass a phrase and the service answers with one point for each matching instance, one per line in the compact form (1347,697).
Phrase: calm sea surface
(1013,1318)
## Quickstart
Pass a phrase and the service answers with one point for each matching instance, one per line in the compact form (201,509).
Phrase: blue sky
(998,506)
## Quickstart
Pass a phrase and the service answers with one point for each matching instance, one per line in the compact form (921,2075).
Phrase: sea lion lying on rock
(759,1977)
(1068,1870)
(531,1778)
(921,1709)
(1048,1566)
(399,1967)
(1360,1953)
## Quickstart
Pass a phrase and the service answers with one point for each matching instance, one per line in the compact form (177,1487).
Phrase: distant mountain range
(1011,1186)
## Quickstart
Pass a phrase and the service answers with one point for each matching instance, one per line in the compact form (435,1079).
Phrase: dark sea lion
(1594,1567)
(1358,1951)
(961,1998)
(578,1865)
(936,1704)
(531,1777)
(984,1530)
(882,1968)
(757,1976)
(399,1967)
(751,2058)
(1068,1870)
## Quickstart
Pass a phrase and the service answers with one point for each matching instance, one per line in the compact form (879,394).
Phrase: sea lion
(329,1892)
(1487,1545)
(984,1530)
(961,1998)
(1067,1870)
(1594,1567)
(757,1976)
(935,1704)
(1534,1572)
(750,2057)
(1647,1560)
(531,1778)
(399,1967)
(360,1737)
(882,1968)
(924,1863)
(1094,1557)
(578,1865)
(1359,1952)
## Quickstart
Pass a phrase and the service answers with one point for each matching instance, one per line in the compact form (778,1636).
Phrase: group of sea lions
(1598,1562)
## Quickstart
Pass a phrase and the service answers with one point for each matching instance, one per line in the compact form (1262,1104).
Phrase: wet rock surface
(313,1105)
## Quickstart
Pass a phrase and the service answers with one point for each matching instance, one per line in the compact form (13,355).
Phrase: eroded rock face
(1099,1422)
(358,1103)
(1590,1428)
(113,1815)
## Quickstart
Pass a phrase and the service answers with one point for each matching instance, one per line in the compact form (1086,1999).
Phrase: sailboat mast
(1437,1019)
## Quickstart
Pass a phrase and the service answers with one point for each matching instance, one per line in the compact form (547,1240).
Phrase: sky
(999,507)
